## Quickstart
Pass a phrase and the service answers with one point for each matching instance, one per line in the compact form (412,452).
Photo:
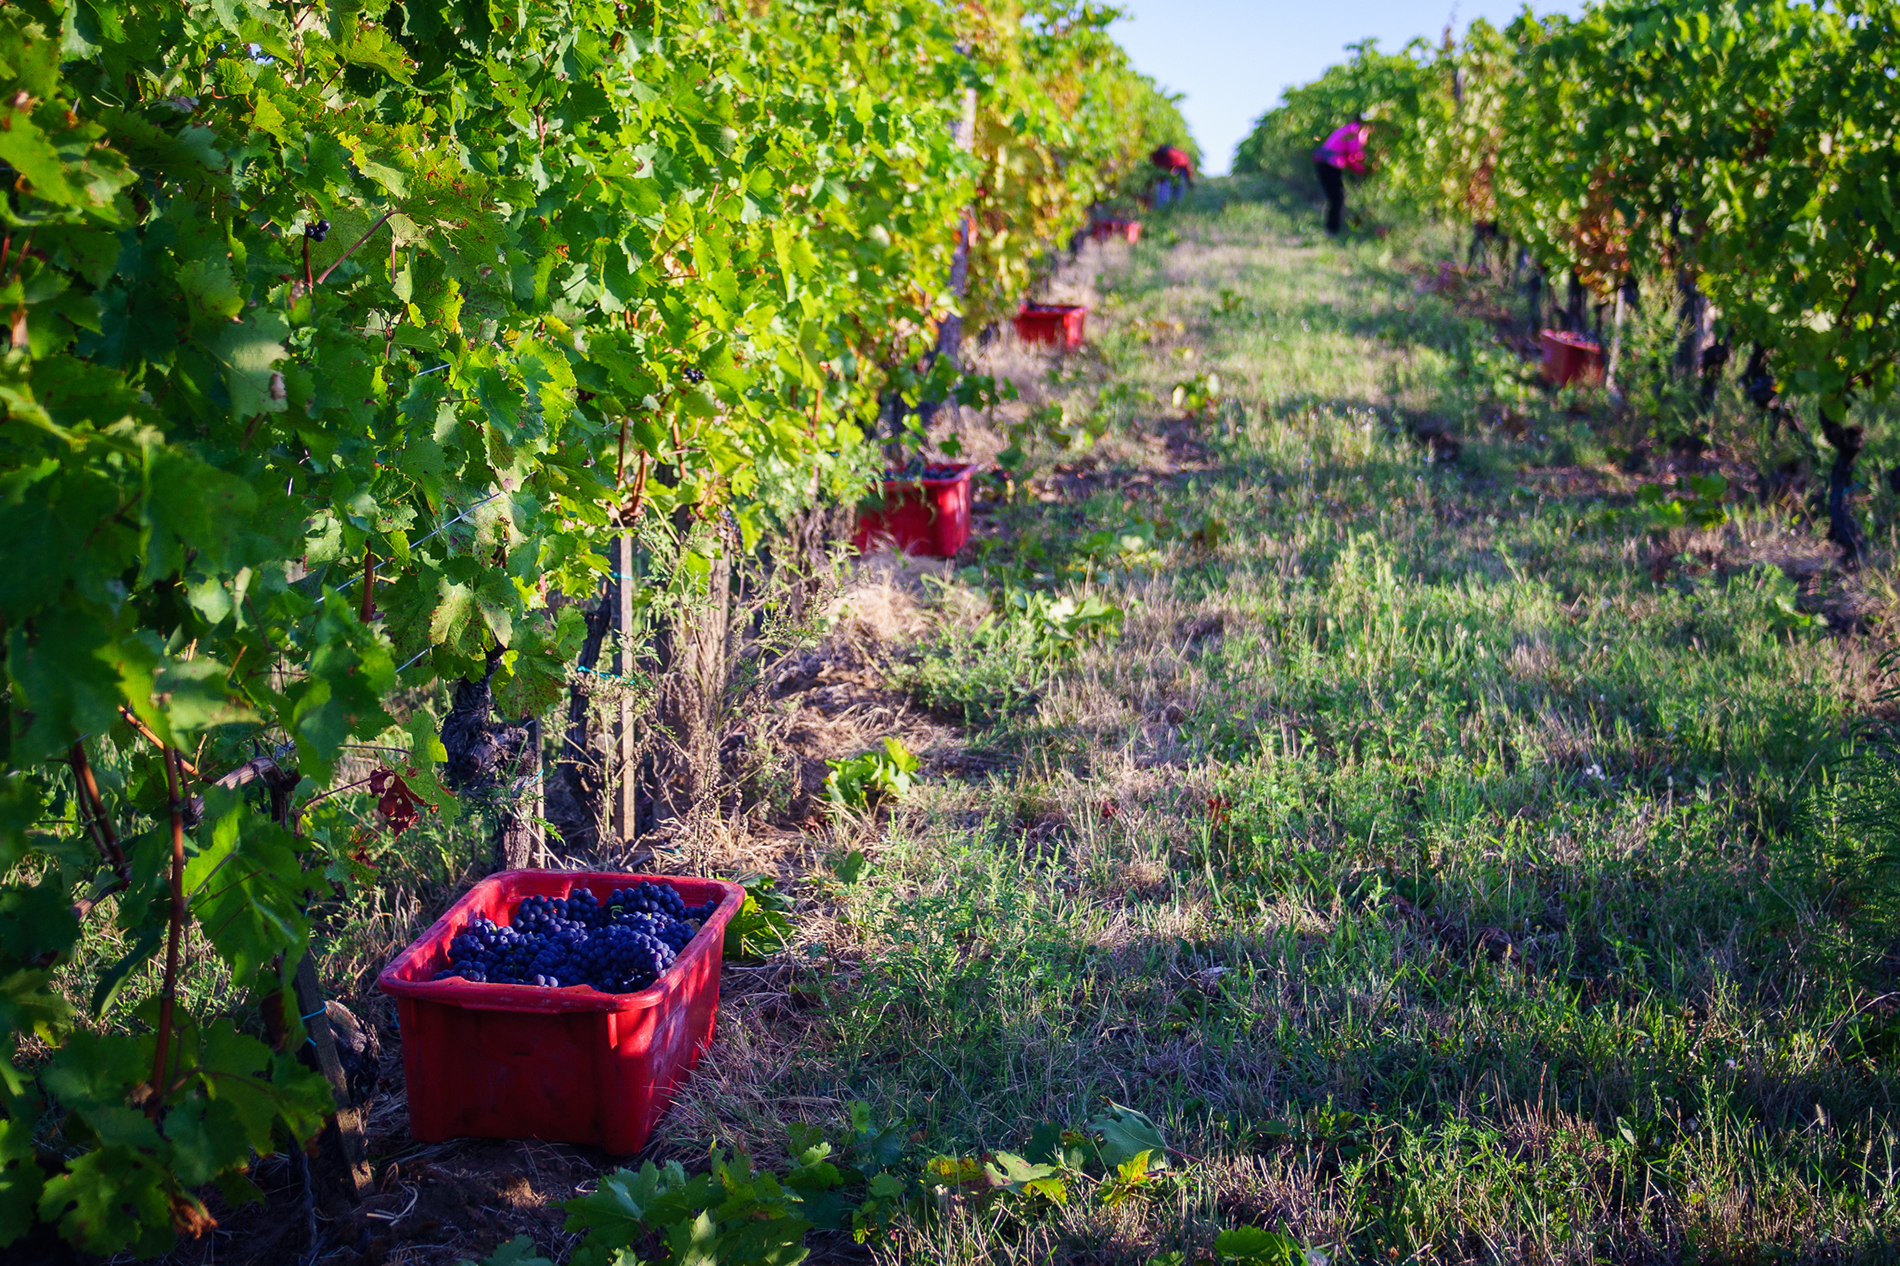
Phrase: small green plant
(1251,1246)
(981,675)
(864,782)
(760,925)
(1127,1134)
(1700,503)
(1128,541)
(1054,627)
(1195,396)
(1132,1178)
(1247,1246)
(849,868)
(734,1214)
(983,391)
(1779,595)
(993,1177)
(1122,1142)
(1498,373)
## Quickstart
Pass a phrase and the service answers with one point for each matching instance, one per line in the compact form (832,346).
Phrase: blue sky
(1233,58)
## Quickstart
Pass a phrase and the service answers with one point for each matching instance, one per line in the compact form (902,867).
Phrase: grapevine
(342,339)
(1729,151)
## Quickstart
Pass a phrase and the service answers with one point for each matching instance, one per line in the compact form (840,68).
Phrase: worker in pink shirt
(1176,173)
(1344,151)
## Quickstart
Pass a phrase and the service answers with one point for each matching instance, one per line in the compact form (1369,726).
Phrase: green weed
(864,782)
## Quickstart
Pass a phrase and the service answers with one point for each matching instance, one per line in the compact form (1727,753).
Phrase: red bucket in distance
(920,516)
(1570,358)
(1056,323)
(1128,230)
(567,1065)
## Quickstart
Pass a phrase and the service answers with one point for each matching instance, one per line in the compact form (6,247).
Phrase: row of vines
(1733,160)
(344,337)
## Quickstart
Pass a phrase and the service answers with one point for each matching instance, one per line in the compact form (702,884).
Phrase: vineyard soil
(1438,855)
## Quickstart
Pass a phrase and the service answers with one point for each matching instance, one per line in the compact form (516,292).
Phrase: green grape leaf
(69,678)
(519,1251)
(1251,1246)
(21,1179)
(36,920)
(111,1200)
(97,1069)
(28,1004)
(245,886)
(1127,1133)
(193,696)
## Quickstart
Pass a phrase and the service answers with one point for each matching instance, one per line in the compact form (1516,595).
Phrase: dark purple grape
(623,946)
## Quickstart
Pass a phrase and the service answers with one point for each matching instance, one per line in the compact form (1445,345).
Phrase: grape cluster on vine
(621,946)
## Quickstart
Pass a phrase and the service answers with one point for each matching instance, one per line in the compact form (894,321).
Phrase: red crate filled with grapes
(925,509)
(560,1005)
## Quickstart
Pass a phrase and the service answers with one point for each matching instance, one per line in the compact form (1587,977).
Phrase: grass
(1440,860)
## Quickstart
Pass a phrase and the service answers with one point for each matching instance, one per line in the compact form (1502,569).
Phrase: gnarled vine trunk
(1842,528)
(578,803)
(484,753)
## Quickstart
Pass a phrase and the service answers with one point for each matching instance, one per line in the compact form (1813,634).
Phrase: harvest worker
(1344,151)
(1177,172)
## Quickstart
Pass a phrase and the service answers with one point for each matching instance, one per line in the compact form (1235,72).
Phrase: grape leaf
(20,1179)
(1251,1246)
(110,1200)
(1127,1133)
(245,886)
(36,920)
(519,1251)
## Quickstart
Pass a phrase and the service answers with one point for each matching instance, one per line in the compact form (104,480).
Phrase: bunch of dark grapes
(620,947)
(918,468)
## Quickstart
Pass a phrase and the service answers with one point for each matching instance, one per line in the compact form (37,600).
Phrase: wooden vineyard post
(623,779)
(580,770)
(1694,323)
(520,831)
(1616,346)
(344,1132)
(537,806)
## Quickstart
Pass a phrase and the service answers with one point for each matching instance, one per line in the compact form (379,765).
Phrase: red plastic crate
(567,1065)
(1570,358)
(921,516)
(1128,230)
(1058,323)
